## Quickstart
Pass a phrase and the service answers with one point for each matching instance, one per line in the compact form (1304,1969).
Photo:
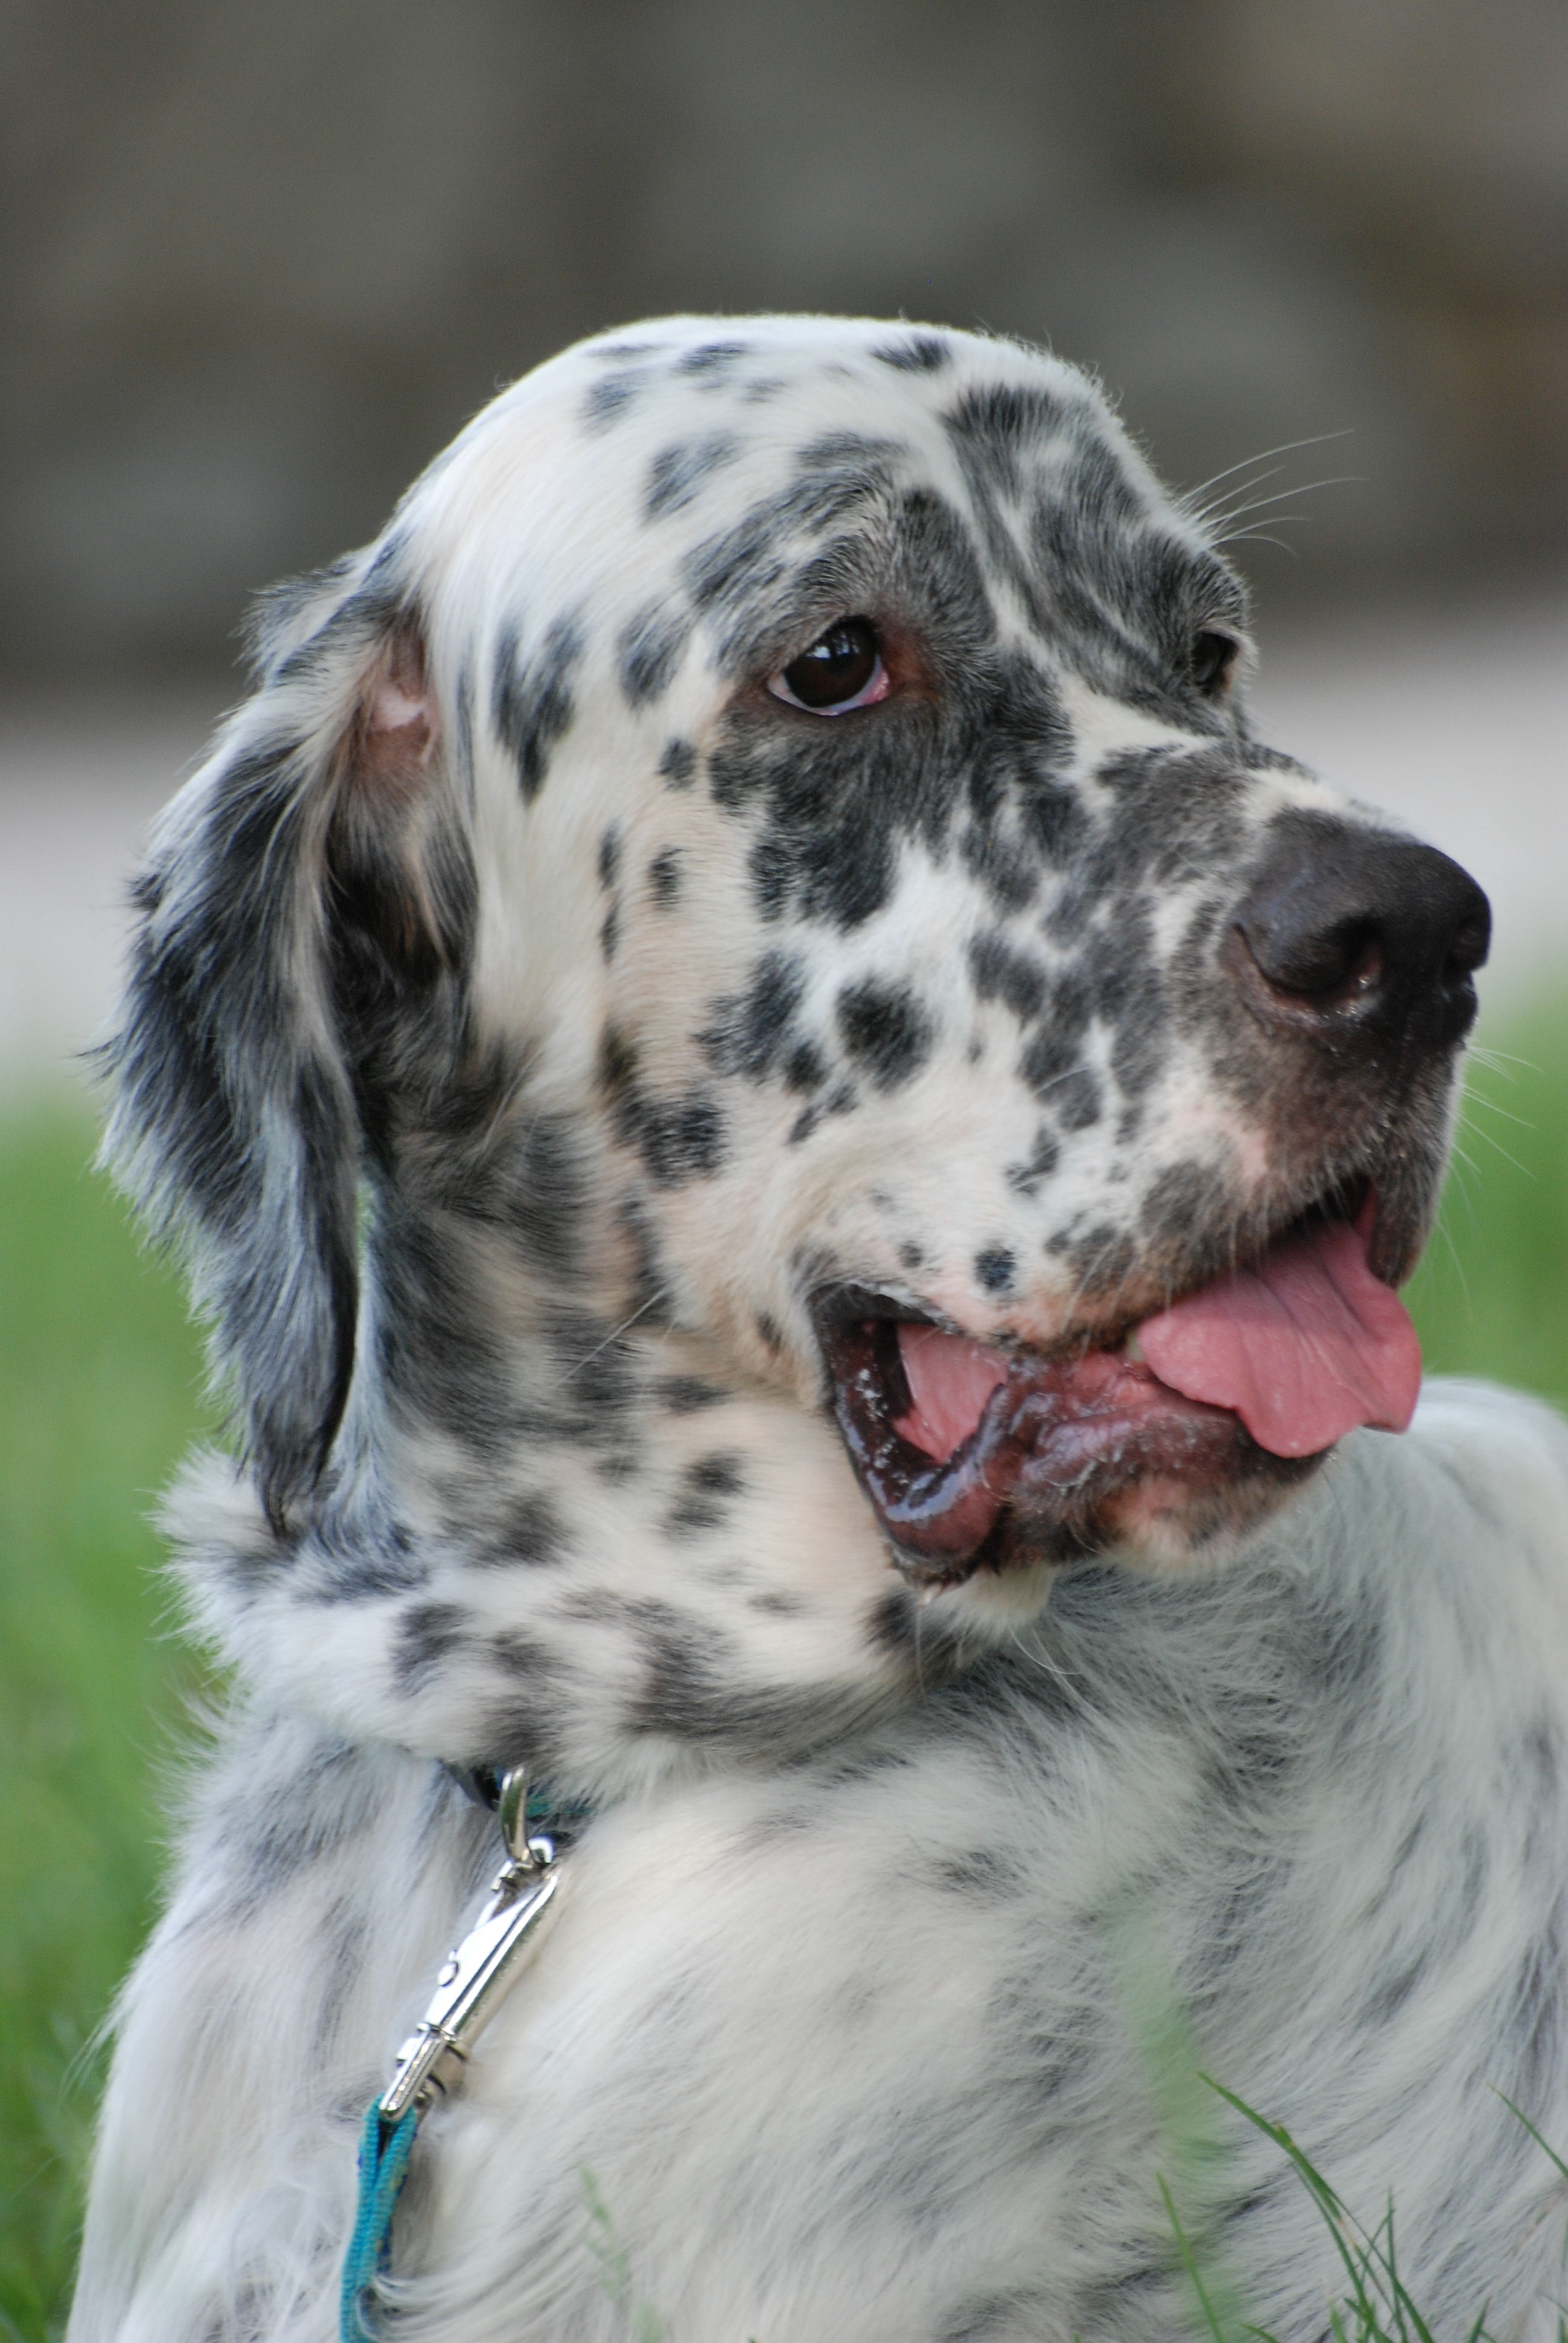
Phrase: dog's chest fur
(534,1015)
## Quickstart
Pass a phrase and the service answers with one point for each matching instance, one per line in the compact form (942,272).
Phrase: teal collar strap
(472,1981)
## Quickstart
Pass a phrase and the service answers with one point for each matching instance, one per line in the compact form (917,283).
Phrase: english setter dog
(798,1146)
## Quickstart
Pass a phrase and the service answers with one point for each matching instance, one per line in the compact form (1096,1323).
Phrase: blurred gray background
(260,259)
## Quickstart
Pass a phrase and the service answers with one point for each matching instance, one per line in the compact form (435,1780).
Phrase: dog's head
(737,965)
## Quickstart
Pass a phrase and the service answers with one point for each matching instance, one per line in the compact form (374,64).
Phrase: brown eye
(1213,658)
(843,670)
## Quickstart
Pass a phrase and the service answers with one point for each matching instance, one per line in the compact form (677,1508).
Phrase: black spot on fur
(749,1032)
(427,1634)
(885,1029)
(1177,1204)
(1002,973)
(686,1395)
(531,702)
(678,473)
(921,353)
(651,648)
(609,856)
(911,1256)
(703,1499)
(650,1282)
(663,876)
(994,1269)
(678,765)
(996,426)
(1039,1164)
(532,1183)
(892,1623)
(1104,1258)
(804,1069)
(529,1531)
(711,358)
(680,1138)
(778,1603)
(768,1331)
(609,931)
(610,397)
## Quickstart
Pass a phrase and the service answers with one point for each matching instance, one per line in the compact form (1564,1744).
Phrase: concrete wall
(260,257)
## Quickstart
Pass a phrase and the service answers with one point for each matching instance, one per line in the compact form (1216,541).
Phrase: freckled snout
(1354,937)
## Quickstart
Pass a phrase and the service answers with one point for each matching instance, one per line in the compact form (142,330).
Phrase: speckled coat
(534,1015)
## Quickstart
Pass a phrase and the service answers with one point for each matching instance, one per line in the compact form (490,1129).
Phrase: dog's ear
(305,878)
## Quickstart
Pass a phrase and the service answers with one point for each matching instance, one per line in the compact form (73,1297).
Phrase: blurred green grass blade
(99,1383)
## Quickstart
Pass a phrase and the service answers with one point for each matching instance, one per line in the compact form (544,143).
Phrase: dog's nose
(1347,932)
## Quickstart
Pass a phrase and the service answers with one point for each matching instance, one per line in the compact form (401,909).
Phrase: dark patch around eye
(885,1029)
(531,703)
(845,890)
(651,648)
(678,765)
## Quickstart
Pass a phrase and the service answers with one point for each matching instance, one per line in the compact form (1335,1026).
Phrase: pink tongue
(1303,1347)
(950,1383)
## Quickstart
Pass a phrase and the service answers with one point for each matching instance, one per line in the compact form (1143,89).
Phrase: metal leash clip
(477,1972)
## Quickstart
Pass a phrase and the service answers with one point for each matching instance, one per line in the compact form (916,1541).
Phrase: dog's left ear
(308,889)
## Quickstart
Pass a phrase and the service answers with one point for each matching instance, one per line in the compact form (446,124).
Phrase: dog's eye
(843,670)
(1213,655)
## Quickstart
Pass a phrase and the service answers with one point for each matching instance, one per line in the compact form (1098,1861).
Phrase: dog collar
(473,1980)
(558,1818)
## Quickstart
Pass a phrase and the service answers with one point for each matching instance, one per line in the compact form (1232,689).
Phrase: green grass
(99,1395)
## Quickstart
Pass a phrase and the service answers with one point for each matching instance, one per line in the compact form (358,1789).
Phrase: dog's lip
(1059,1428)
(1065,1426)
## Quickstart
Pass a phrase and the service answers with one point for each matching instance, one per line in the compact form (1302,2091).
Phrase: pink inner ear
(393,710)
(401,719)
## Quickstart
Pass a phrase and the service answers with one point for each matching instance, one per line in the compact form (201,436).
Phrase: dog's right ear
(306,876)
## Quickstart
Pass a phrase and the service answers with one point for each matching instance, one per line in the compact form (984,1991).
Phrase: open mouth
(977,1456)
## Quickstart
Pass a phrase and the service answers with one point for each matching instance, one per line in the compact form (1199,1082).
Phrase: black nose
(1352,932)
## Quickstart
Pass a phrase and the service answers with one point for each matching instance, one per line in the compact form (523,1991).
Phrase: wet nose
(1347,932)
